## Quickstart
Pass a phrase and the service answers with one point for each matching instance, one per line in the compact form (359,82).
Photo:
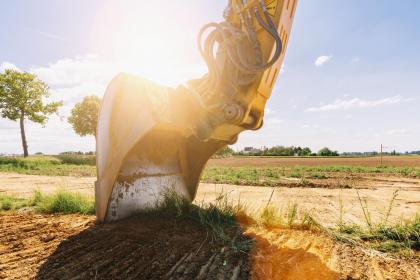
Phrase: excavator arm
(151,138)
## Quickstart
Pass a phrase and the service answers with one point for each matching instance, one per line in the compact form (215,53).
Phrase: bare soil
(322,202)
(74,247)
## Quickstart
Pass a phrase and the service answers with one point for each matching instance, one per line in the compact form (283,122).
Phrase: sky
(350,80)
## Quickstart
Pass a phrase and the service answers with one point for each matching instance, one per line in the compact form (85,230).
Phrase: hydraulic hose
(236,44)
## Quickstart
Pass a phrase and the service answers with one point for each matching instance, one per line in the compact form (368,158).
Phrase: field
(296,218)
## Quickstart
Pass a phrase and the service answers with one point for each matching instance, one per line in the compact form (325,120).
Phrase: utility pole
(381,153)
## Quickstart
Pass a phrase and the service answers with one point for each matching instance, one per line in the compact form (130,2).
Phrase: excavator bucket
(152,139)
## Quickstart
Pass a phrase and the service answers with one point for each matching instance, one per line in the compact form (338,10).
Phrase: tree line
(279,151)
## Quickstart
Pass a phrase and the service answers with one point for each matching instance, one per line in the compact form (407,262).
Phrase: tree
(225,152)
(21,97)
(84,116)
(280,151)
(304,152)
(326,152)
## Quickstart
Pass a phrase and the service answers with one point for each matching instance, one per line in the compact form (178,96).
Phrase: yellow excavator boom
(151,138)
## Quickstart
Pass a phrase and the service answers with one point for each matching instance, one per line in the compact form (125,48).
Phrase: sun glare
(148,39)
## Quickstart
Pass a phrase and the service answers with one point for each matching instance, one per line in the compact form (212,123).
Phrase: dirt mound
(73,247)
(297,254)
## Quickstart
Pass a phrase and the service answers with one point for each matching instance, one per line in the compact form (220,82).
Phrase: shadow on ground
(158,248)
(144,248)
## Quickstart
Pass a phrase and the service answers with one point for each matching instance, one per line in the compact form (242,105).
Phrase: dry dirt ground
(322,203)
(73,247)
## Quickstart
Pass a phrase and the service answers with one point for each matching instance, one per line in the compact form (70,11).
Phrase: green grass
(10,203)
(403,171)
(65,202)
(402,237)
(77,159)
(254,176)
(61,201)
(48,165)
(84,165)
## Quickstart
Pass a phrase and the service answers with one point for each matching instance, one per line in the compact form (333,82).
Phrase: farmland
(349,217)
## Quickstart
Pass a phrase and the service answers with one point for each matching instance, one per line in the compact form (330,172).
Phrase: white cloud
(70,72)
(7,65)
(340,104)
(322,60)
(355,59)
(398,131)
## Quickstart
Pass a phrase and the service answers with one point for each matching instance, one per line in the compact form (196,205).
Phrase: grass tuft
(59,202)
(401,237)
(64,202)
(218,218)
(10,203)
(6,204)
(271,216)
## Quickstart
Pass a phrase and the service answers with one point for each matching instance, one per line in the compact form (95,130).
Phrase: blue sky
(351,78)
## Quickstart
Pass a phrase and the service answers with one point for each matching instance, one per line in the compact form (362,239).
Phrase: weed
(6,204)
(218,217)
(309,222)
(59,202)
(64,202)
(397,238)
(341,208)
(77,159)
(10,203)
(390,206)
(365,209)
(292,213)
(317,176)
(270,216)
(295,175)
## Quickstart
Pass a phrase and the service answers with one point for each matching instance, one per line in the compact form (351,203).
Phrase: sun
(148,39)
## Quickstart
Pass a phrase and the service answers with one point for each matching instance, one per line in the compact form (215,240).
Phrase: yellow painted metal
(151,138)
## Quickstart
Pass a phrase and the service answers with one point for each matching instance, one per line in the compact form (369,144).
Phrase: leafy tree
(279,151)
(225,152)
(84,116)
(21,97)
(304,152)
(326,152)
